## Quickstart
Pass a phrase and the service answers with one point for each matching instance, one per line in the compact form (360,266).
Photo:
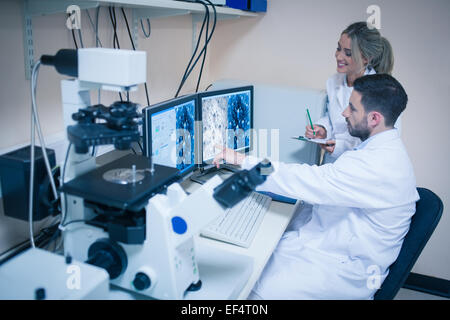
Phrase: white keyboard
(238,225)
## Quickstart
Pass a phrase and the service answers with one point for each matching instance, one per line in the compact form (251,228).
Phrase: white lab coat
(342,242)
(338,98)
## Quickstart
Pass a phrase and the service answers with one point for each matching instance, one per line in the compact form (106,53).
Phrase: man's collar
(379,138)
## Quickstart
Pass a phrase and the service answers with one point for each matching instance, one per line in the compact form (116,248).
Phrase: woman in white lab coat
(360,51)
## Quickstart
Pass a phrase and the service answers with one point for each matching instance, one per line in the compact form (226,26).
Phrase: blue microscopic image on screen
(185,115)
(238,135)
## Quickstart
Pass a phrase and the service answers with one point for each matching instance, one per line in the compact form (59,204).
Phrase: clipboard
(318,141)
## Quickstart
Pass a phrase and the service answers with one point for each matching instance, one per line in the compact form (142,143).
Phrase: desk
(266,239)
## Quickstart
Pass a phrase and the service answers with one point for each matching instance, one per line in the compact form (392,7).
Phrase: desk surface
(266,239)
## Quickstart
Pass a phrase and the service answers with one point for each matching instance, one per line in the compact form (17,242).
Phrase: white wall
(292,44)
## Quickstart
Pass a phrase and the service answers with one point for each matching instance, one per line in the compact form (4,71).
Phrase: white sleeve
(346,182)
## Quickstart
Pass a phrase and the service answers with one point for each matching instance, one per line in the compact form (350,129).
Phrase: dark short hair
(382,93)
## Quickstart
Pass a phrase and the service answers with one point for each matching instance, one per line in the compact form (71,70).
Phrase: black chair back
(428,213)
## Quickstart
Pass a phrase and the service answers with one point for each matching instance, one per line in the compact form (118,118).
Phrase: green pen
(312,127)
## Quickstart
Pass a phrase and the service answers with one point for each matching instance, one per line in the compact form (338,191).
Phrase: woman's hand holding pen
(320,133)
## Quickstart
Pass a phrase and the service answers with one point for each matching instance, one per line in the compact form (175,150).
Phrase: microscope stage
(98,186)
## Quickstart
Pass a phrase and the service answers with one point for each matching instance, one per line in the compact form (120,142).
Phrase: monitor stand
(207,172)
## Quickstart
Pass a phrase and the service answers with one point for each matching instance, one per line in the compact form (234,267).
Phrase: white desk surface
(266,239)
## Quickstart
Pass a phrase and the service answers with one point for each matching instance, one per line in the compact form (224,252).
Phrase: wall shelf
(141,9)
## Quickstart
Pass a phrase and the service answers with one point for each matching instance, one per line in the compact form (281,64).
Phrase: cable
(74,40)
(39,130)
(193,54)
(31,191)
(187,73)
(36,124)
(134,48)
(140,146)
(112,16)
(79,35)
(147,35)
(40,241)
(206,45)
(74,221)
(81,38)
(97,41)
(63,176)
(97,14)
(95,27)
(204,55)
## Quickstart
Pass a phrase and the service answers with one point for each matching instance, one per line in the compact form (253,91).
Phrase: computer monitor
(227,118)
(170,134)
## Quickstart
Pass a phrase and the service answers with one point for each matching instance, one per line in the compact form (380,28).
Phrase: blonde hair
(368,43)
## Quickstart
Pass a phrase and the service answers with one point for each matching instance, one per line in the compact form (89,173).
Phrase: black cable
(128,28)
(97,14)
(73,34)
(80,37)
(41,239)
(140,146)
(134,48)
(63,175)
(74,221)
(183,79)
(74,40)
(112,16)
(147,35)
(95,27)
(204,54)
(207,41)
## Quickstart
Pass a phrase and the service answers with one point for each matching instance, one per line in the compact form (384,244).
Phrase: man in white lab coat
(358,209)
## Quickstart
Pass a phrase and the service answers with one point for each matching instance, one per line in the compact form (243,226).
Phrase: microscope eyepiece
(65,62)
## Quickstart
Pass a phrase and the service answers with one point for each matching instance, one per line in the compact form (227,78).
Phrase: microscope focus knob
(141,281)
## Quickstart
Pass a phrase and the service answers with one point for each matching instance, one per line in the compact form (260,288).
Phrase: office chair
(428,213)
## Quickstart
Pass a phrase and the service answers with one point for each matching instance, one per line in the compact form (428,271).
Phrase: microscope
(130,216)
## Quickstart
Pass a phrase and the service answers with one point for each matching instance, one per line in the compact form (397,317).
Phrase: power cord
(190,68)
(112,16)
(35,124)
(95,27)
(184,78)
(134,48)
(147,35)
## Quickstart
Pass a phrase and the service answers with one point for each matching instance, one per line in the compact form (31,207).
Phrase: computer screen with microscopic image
(227,118)
(169,133)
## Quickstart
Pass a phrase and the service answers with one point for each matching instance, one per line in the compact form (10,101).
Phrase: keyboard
(238,225)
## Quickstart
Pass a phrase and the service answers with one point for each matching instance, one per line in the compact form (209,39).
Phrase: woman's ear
(365,61)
